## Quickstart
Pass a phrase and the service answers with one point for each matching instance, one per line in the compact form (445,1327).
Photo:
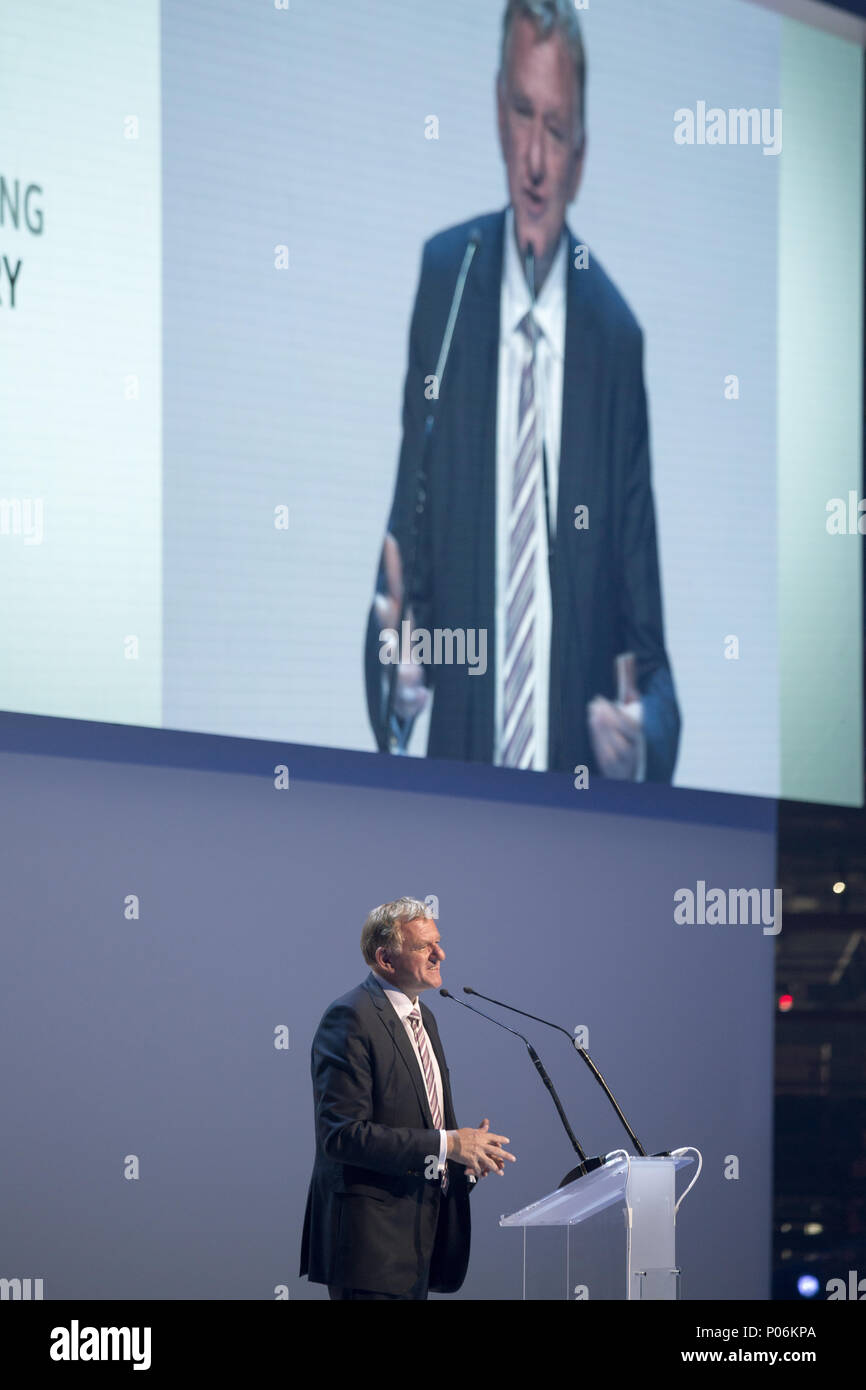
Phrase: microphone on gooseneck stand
(581,1052)
(397,728)
(586,1165)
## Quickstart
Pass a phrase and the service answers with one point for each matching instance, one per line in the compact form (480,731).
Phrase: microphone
(581,1052)
(586,1165)
(397,730)
(472,246)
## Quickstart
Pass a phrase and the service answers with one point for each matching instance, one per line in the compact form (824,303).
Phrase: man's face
(537,106)
(416,965)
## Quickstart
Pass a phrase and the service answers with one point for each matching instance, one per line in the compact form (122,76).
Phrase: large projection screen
(211,229)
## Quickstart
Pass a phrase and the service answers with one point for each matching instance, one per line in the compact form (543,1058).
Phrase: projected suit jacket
(605,587)
(371,1217)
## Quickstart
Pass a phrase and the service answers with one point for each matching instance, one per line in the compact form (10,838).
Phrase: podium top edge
(602,1187)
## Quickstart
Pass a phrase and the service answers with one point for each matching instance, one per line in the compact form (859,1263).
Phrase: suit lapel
(483,292)
(579,480)
(475,488)
(579,386)
(400,1038)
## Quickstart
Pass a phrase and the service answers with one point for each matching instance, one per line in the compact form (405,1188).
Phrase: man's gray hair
(549,17)
(384,926)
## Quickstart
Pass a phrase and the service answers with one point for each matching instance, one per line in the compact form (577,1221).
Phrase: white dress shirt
(403,1007)
(550,360)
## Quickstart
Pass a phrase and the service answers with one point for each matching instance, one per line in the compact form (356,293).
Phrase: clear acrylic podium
(644,1190)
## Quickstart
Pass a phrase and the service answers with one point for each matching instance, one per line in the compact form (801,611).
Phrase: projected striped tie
(518,718)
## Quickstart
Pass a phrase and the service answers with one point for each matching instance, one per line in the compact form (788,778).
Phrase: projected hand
(615,739)
(411,694)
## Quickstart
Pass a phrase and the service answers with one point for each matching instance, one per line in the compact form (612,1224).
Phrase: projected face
(537,108)
(417,965)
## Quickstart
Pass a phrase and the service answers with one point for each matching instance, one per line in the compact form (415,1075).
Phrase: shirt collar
(402,1003)
(549,304)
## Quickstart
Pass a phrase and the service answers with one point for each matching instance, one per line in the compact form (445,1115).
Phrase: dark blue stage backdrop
(161,922)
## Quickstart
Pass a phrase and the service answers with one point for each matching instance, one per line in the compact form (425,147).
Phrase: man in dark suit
(534,521)
(388,1206)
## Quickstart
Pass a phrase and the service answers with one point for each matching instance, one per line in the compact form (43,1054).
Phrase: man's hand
(615,739)
(478,1150)
(411,694)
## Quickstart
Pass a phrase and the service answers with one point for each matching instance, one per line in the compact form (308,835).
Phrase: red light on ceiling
(786,1003)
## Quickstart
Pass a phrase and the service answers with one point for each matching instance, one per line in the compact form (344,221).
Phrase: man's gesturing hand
(478,1150)
(615,739)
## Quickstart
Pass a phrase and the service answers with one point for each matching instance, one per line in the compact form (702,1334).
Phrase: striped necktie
(426,1066)
(518,716)
(430,1082)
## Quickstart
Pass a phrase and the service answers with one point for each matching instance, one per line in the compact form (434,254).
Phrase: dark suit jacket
(606,593)
(373,1219)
